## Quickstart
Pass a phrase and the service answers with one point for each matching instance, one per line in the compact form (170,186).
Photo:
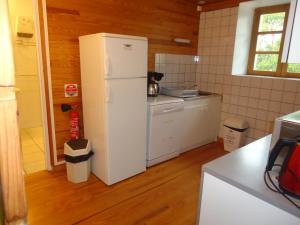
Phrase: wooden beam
(222,5)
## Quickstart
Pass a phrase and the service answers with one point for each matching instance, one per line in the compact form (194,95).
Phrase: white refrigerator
(114,98)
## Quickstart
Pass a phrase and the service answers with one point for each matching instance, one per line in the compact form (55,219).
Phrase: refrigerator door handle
(107,66)
(107,93)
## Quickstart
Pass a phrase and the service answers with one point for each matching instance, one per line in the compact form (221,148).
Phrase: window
(268,34)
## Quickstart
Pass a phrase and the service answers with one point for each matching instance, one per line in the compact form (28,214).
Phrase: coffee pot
(153,83)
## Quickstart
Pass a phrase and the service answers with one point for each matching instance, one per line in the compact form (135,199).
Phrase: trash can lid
(237,123)
(78,143)
(77,147)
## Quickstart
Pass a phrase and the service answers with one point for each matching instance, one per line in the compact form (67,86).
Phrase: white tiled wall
(257,99)
(178,70)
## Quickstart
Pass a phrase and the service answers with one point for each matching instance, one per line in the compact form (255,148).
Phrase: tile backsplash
(257,99)
(178,70)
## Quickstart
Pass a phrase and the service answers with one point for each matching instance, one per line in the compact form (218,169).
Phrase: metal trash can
(78,160)
(235,131)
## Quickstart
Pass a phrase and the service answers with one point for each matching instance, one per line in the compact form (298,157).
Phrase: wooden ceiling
(212,1)
(205,2)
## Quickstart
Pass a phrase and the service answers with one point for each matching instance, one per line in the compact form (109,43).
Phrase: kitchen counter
(163,99)
(213,95)
(243,170)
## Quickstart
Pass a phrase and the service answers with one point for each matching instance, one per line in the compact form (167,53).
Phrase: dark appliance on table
(285,155)
(289,175)
(153,83)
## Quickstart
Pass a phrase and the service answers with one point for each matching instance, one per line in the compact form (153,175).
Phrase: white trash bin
(78,159)
(235,130)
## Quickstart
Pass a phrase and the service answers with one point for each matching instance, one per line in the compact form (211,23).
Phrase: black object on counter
(153,83)
(154,76)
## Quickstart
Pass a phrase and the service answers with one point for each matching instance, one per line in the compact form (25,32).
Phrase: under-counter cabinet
(291,50)
(233,191)
(201,121)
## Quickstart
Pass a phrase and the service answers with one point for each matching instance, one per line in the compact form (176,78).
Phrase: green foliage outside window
(272,22)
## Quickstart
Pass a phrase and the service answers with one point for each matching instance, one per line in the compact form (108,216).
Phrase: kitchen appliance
(286,127)
(289,175)
(114,81)
(153,90)
(164,128)
(153,83)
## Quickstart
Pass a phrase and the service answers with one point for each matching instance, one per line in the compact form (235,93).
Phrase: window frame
(281,70)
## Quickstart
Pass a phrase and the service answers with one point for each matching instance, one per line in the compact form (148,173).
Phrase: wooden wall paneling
(160,21)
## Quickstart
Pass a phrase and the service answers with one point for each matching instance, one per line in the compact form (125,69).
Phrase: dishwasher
(165,121)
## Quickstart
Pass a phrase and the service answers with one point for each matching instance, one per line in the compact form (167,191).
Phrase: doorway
(33,130)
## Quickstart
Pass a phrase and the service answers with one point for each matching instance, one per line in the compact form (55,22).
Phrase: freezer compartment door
(126,124)
(125,58)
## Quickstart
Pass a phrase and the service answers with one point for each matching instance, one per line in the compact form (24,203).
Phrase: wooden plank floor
(165,194)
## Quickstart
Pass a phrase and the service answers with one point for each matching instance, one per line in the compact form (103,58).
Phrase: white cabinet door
(223,203)
(196,124)
(291,51)
(201,122)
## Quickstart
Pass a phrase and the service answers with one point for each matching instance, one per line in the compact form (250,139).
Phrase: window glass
(293,68)
(266,62)
(268,42)
(271,22)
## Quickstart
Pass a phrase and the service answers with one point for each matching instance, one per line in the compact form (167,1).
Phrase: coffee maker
(153,83)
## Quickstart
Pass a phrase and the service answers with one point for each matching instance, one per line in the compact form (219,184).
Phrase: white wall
(26,68)
(257,99)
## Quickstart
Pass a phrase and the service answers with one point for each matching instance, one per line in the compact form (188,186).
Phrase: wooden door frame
(44,74)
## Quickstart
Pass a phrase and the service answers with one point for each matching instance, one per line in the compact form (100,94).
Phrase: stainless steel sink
(179,92)
(184,93)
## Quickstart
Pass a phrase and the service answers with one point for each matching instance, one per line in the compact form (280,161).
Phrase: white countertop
(163,99)
(244,168)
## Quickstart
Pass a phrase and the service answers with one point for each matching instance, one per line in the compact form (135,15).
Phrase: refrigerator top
(117,36)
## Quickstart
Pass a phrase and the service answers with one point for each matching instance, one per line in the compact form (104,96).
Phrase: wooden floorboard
(165,194)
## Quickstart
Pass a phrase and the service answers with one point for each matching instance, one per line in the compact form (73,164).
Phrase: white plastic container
(78,160)
(235,131)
